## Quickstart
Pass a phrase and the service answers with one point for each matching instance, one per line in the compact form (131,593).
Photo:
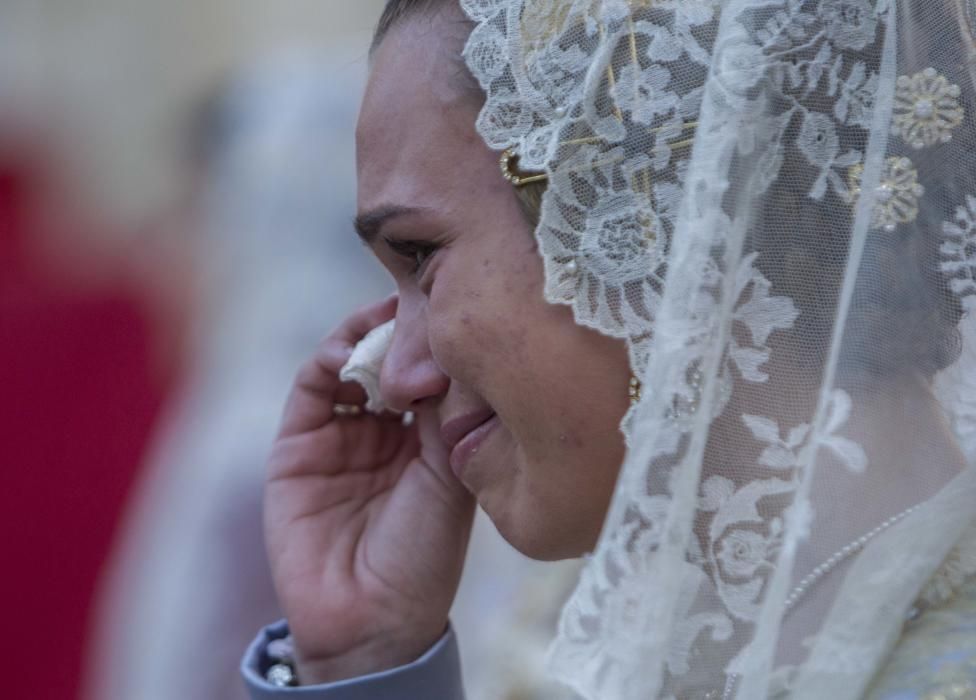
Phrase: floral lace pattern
(959,251)
(896,198)
(927,109)
(609,214)
(671,134)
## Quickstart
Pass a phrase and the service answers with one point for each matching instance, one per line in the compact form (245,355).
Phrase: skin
(366,523)
(474,331)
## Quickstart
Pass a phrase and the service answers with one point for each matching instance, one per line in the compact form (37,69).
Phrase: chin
(541,538)
(540,522)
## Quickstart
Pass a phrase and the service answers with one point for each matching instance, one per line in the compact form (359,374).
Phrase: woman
(763,210)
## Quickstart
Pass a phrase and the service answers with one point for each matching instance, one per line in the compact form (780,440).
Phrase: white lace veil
(774,203)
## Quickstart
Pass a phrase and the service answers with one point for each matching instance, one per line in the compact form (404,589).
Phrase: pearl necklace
(841,554)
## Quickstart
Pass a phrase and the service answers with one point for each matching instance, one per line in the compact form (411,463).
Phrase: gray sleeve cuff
(435,675)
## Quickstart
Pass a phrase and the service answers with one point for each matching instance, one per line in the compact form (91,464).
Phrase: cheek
(481,307)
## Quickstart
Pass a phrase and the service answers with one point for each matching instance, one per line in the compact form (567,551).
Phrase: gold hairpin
(509,159)
(685,126)
(508,163)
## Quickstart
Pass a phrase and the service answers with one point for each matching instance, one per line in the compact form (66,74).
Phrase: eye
(418,253)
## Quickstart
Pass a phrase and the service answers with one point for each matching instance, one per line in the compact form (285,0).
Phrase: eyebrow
(369,224)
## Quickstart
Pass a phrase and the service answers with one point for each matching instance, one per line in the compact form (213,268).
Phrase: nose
(409,374)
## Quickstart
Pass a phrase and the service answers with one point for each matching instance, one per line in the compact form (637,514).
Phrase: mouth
(463,436)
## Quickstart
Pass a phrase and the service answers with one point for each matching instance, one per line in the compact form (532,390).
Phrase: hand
(366,525)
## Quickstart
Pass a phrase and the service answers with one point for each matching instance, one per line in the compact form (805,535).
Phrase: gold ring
(346,410)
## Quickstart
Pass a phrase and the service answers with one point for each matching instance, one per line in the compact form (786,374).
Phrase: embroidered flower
(716,491)
(621,242)
(779,453)
(762,314)
(740,65)
(608,264)
(644,93)
(818,138)
(819,142)
(535,147)
(742,552)
(848,452)
(506,118)
(896,198)
(959,250)
(855,105)
(926,109)
(557,73)
(850,24)
(480,10)
(662,44)
(485,54)
(692,13)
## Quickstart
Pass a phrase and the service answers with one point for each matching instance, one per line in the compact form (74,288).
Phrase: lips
(455,429)
(463,435)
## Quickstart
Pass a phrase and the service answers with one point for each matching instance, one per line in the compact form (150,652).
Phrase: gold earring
(635,390)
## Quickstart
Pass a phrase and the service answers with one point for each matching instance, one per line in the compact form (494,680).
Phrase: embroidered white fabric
(773,202)
(366,362)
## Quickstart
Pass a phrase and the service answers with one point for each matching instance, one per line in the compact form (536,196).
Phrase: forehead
(416,133)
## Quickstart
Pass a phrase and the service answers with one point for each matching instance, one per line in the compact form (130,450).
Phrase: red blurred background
(89,351)
(99,277)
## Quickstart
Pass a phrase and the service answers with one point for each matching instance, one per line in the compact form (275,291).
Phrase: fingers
(317,387)
(353,446)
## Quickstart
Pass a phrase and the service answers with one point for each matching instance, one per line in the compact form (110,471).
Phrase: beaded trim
(840,555)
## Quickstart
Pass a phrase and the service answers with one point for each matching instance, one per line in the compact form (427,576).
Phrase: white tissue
(364,365)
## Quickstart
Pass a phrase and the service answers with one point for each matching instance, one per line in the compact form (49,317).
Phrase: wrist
(371,657)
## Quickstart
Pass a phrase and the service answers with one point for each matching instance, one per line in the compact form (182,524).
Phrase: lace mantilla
(609,214)
(740,191)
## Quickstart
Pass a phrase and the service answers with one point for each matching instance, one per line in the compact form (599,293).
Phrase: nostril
(406,387)
(409,375)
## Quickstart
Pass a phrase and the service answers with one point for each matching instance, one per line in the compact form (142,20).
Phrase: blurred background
(176,190)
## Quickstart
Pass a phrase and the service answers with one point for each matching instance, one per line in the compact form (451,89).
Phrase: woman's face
(528,401)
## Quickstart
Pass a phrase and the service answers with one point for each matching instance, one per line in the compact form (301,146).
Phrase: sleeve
(435,675)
